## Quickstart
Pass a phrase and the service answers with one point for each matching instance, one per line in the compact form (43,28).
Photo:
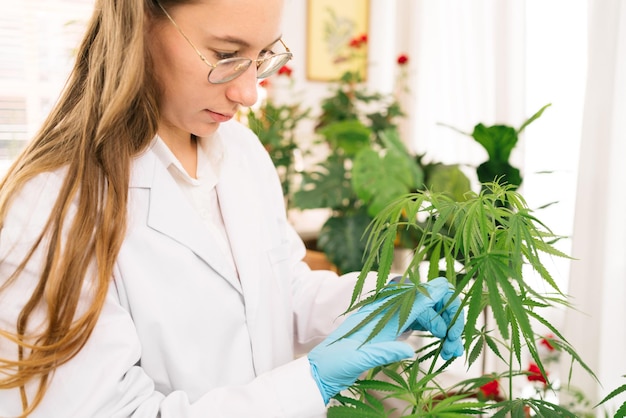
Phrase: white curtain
(598,278)
(466,66)
(471,64)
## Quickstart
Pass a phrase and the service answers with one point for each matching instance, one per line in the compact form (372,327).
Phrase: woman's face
(219,29)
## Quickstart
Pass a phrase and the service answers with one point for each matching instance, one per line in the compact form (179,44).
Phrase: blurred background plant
(367,163)
(276,124)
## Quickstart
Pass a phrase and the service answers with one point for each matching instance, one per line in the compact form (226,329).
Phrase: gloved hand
(437,321)
(337,362)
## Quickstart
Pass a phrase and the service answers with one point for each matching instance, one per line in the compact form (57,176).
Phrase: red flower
(490,390)
(357,41)
(534,374)
(403,59)
(285,70)
(546,341)
(264,83)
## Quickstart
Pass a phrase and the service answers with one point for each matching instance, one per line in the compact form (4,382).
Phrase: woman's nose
(243,89)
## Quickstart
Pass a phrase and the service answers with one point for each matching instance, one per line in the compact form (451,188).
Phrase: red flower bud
(285,70)
(490,390)
(403,59)
(357,41)
(534,374)
(546,342)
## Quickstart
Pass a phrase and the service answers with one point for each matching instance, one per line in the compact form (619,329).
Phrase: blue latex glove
(437,321)
(337,362)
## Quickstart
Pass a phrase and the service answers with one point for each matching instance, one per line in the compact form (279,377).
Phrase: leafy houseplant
(499,141)
(357,127)
(276,126)
(493,242)
(367,166)
(621,411)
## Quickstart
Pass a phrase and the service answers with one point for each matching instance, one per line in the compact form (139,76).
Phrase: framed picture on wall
(336,38)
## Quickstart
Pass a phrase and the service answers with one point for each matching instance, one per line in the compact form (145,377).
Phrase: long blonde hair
(106,115)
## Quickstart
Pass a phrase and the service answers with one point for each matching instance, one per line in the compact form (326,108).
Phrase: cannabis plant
(621,410)
(483,246)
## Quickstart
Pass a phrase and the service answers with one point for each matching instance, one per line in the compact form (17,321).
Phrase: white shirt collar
(210,158)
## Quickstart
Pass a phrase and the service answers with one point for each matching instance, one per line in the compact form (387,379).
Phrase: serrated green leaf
(343,411)
(433,265)
(475,308)
(621,411)
(491,343)
(396,377)
(495,299)
(614,393)
(516,342)
(380,386)
(548,409)
(475,352)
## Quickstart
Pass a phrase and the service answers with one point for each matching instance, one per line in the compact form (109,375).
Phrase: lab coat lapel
(243,225)
(171,213)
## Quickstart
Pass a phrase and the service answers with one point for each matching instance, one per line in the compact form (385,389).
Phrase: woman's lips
(219,117)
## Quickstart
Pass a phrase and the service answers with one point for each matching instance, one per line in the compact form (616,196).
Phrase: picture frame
(336,38)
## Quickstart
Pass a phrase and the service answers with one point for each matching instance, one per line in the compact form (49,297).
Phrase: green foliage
(347,137)
(341,238)
(499,141)
(328,186)
(367,167)
(621,411)
(447,179)
(379,177)
(481,245)
(275,125)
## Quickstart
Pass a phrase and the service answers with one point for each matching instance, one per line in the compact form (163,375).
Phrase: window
(38,39)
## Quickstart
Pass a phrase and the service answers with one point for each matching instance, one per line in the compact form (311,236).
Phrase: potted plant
(366,167)
(494,242)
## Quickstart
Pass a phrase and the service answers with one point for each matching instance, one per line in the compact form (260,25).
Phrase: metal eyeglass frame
(242,63)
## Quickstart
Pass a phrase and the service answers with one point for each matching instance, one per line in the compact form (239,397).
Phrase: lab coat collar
(171,213)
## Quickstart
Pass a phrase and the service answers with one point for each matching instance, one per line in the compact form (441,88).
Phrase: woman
(146,264)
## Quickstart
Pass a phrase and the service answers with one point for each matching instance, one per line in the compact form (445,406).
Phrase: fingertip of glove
(455,332)
(452,348)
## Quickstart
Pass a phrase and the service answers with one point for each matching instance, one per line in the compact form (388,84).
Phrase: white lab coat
(181,334)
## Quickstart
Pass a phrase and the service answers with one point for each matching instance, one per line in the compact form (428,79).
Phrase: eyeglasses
(228,69)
